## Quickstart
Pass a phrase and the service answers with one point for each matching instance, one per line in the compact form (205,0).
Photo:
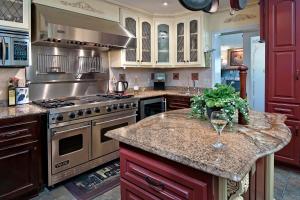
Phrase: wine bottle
(11,94)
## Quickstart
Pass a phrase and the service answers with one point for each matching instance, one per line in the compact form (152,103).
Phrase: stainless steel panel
(52,25)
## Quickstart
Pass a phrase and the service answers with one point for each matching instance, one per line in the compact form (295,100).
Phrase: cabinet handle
(184,61)
(297,131)
(156,62)
(138,61)
(3,50)
(154,185)
(297,74)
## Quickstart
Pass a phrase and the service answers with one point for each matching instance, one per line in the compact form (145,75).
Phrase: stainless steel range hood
(57,27)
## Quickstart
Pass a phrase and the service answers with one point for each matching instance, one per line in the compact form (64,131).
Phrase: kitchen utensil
(121,86)
(238,4)
(195,5)
(212,7)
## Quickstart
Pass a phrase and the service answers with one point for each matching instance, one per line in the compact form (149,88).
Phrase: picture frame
(235,57)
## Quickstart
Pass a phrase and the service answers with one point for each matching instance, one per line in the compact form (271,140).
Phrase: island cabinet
(146,176)
(175,102)
(281,32)
(20,157)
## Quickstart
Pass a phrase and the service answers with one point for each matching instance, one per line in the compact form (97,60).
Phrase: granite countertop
(20,110)
(175,136)
(155,93)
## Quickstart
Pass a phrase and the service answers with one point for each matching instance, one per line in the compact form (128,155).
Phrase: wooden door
(19,168)
(283,51)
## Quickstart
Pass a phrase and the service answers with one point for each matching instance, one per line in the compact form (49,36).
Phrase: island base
(151,177)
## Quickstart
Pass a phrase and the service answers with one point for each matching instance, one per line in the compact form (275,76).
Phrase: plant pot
(210,110)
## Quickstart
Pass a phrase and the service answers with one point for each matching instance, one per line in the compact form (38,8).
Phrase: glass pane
(130,25)
(11,10)
(193,41)
(163,43)
(153,109)
(146,42)
(105,130)
(180,42)
(70,144)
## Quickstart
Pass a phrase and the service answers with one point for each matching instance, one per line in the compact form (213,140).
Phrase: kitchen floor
(287,187)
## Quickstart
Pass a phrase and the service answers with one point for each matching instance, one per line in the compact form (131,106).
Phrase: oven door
(70,146)
(102,145)
(5,51)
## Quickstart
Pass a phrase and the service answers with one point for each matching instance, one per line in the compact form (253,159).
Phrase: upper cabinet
(15,13)
(163,41)
(188,41)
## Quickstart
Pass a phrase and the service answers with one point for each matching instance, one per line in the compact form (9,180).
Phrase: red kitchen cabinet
(281,29)
(151,177)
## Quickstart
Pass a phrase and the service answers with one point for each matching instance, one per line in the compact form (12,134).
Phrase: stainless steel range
(76,141)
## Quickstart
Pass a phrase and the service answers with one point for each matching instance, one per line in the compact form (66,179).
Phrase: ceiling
(157,7)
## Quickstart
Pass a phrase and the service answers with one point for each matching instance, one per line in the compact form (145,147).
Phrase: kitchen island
(170,156)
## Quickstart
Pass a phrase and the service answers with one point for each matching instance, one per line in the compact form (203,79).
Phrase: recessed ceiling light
(165,3)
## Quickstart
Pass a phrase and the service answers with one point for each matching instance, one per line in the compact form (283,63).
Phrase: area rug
(96,182)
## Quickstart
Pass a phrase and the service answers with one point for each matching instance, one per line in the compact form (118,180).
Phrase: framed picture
(235,57)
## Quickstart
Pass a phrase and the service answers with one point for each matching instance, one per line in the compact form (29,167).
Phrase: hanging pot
(195,5)
(212,7)
(238,4)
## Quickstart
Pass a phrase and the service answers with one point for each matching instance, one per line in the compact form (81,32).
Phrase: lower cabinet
(20,157)
(147,176)
(290,154)
(177,102)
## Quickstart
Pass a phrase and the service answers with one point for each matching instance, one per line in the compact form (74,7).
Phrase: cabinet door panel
(131,54)
(146,39)
(18,168)
(194,41)
(132,192)
(180,53)
(290,153)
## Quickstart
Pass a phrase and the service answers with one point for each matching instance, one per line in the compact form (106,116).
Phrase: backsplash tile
(176,76)
(195,76)
(122,77)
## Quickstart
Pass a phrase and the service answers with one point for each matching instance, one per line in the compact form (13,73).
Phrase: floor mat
(96,182)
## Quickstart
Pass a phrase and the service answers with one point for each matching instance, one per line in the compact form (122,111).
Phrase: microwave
(14,48)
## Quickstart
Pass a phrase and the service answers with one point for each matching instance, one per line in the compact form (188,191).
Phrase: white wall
(4,77)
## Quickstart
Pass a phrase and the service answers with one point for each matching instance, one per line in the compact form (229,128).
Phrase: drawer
(160,179)
(19,129)
(132,192)
(292,111)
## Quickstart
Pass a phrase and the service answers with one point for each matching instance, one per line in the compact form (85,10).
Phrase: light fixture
(165,3)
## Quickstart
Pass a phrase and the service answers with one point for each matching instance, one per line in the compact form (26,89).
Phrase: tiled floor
(287,184)
(287,187)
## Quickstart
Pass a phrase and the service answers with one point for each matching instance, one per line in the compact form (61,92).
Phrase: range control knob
(88,112)
(127,106)
(97,110)
(60,117)
(115,106)
(133,105)
(80,113)
(108,109)
(72,115)
(121,106)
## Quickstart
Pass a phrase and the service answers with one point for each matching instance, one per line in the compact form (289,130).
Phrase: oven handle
(3,50)
(73,129)
(100,123)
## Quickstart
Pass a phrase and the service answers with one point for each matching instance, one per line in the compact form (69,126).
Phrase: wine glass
(219,120)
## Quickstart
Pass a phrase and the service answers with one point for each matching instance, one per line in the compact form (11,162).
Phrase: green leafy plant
(223,97)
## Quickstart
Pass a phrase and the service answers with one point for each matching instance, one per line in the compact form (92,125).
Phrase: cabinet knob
(156,62)
(297,74)
(297,131)
(138,61)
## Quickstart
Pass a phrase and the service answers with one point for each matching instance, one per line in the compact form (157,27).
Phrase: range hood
(57,27)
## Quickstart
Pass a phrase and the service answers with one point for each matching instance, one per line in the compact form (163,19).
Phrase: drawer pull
(297,131)
(155,185)
(13,133)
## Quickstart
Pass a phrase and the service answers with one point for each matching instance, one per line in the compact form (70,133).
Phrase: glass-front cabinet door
(132,54)
(163,43)
(194,48)
(146,42)
(180,43)
(15,13)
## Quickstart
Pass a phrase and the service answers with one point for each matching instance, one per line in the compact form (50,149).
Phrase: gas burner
(53,103)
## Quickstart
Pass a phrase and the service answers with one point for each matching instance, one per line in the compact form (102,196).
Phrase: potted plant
(221,97)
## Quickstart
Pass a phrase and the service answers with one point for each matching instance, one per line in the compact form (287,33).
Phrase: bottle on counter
(11,94)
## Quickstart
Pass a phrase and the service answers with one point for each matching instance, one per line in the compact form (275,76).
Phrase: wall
(4,76)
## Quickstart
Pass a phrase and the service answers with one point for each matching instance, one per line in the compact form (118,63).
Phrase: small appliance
(121,86)
(14,47)
(159,81)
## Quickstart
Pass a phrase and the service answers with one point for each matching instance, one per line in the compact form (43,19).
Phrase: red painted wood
(292,111)
(163,178)
(133,192)
(290,153)
(283,51)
